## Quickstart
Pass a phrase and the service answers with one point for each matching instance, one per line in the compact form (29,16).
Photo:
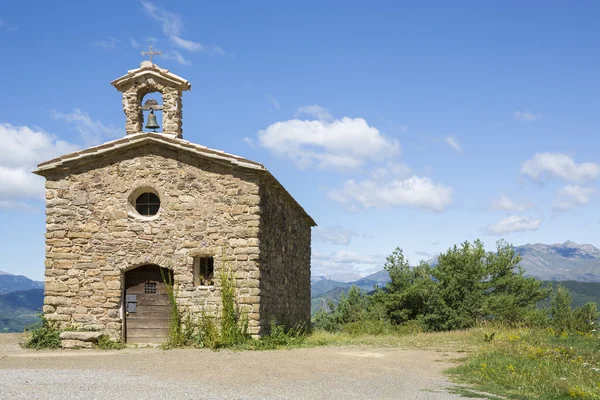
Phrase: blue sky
(393,124)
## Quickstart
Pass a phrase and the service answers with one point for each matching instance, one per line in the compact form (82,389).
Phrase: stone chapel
(123,215)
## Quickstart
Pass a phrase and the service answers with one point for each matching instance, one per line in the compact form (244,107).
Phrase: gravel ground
(315,373)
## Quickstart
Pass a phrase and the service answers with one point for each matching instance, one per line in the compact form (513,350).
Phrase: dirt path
(315,373)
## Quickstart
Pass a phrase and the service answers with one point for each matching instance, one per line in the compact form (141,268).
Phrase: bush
(352,307)
(44,335)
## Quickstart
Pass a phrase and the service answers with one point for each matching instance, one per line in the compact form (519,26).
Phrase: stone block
(81,336)
(76,344)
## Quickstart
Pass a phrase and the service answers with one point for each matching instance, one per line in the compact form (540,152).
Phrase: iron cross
(151,53)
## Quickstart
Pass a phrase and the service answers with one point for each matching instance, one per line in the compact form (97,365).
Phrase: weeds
(208,333)
(535,363)
(43,335)
(234,326)
(176,336)
(106,343)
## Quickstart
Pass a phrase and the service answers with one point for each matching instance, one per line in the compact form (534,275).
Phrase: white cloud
(91,131)
(176,56)
(342,143)
(505,203)
(186,44)
(22,149)
(392,170)
(415,191)
(14,205)
(546,165)
(333,235)
(527,116)
(425,254)
(514,224)
(273,102)
(572,196)
(134,43)
(171,23)
(172,26)
(109,43)
(6,26)
(452,142)
(315,111)
(345,263)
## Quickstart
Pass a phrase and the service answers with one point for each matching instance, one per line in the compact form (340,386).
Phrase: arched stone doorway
(147,306)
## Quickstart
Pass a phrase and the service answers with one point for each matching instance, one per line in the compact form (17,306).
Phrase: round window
(147,204)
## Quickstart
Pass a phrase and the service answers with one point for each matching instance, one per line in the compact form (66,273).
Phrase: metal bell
(152,124)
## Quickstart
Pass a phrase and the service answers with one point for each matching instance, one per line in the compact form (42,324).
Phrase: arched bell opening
(151,110)
(147,307)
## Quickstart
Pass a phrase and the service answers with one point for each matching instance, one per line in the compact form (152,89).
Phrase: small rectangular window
(149,287)
(204,271)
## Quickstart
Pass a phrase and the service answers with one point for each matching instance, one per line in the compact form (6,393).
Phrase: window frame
(204,271)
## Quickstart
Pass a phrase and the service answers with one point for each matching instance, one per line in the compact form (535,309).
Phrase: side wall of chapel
(284,258)
(94,235)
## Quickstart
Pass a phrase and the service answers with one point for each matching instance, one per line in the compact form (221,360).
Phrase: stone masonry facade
(210,202)
(284,243)
(94,235)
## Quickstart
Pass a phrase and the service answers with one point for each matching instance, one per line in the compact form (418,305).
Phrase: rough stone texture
(94,234)
(149,79)
(81,336)
(211,202)
(76,344)
(284,258)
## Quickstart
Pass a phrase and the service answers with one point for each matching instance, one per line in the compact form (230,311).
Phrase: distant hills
(12,283)
(21,300)
(568,261)
(20,309)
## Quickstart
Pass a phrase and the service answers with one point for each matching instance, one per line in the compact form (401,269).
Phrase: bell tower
(150,78)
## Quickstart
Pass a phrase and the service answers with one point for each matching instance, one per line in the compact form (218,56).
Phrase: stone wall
(285,258)
(94,234)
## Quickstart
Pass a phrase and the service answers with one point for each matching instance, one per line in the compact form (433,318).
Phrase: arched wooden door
(147,306)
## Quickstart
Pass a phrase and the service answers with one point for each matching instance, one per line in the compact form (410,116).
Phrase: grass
(534,364)
(498,362)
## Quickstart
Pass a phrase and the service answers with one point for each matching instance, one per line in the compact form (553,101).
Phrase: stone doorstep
(80,336)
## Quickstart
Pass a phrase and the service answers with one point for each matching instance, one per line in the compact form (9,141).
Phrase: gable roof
(147,68)
(171,141)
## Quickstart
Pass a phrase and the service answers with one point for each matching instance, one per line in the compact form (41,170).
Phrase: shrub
(352,307)
(43,335)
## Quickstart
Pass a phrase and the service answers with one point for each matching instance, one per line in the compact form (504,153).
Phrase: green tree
(560,309)
(458,298)
(586,317)
(510,296)
(407,294)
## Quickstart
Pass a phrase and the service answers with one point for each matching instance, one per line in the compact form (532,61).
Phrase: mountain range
(21,298)
(12,283)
